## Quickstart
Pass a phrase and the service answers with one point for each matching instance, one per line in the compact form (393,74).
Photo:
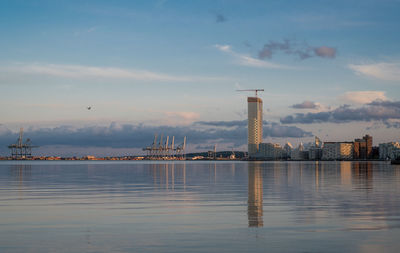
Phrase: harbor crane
(255,90)
(21,150)
(160,150)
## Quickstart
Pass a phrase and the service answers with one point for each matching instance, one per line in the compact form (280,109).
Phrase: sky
(328,68)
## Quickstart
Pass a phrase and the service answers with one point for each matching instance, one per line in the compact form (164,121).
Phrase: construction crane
(255,90)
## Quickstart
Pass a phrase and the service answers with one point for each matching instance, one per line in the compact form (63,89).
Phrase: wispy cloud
(94,72)
(363,97)
(293,47)
(388,71)
(306,105)
(246,60)
(325,52)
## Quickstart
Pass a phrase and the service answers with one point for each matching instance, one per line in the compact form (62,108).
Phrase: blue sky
(172,64)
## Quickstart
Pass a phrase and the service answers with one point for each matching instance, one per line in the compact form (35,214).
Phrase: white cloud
(181,117)
(246,60)
(224,48)
(382,70)
(363,97)
(91,72)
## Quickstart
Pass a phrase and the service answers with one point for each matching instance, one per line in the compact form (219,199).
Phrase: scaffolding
(160,150)
(21,150)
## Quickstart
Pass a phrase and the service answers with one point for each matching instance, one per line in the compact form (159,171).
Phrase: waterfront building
(299,153)
(271,151)
(390,150)
(315,153)
(337,151)
(288,148)
(255,125)
(363,148)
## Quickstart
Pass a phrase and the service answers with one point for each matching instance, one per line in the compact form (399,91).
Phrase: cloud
(374,111)
(389,124)
(387,104)
(92,72)
(363,97)
(224,48)
(219,18)
(306,105)
(246,60)
(273,46)
(277,130)
(4,130)
(325,52)
(270,129)
(383,70)
(182,117)
(138,136)
(292,47)
(233,123)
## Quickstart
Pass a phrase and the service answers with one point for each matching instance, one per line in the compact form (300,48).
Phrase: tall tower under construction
(255,124)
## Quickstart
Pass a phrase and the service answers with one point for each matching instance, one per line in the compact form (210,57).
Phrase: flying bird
(89,107)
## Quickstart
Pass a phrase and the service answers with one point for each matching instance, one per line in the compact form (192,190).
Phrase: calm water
(199,207)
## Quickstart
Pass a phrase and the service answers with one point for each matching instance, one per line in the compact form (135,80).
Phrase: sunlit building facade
(363,147)
(255,125)
(337,151)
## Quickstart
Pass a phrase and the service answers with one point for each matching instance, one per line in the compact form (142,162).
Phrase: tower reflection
(255,195)
(362,174)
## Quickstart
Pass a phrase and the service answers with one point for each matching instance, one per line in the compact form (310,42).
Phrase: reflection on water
(255,193)
(362,174)
(21,172)
(199,207)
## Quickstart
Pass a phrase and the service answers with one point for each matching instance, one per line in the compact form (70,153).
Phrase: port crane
(21,150)
(160,150)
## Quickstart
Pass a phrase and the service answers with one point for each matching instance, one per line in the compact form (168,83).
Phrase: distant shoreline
(188,159)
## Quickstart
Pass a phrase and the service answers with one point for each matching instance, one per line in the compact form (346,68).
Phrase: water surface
(199,207)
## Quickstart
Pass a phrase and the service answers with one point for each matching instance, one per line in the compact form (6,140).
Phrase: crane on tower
(255,90)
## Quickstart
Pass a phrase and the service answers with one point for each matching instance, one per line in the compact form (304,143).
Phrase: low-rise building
(299,153)
(315,153)
(390,150)
(271,151)
(337,151)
